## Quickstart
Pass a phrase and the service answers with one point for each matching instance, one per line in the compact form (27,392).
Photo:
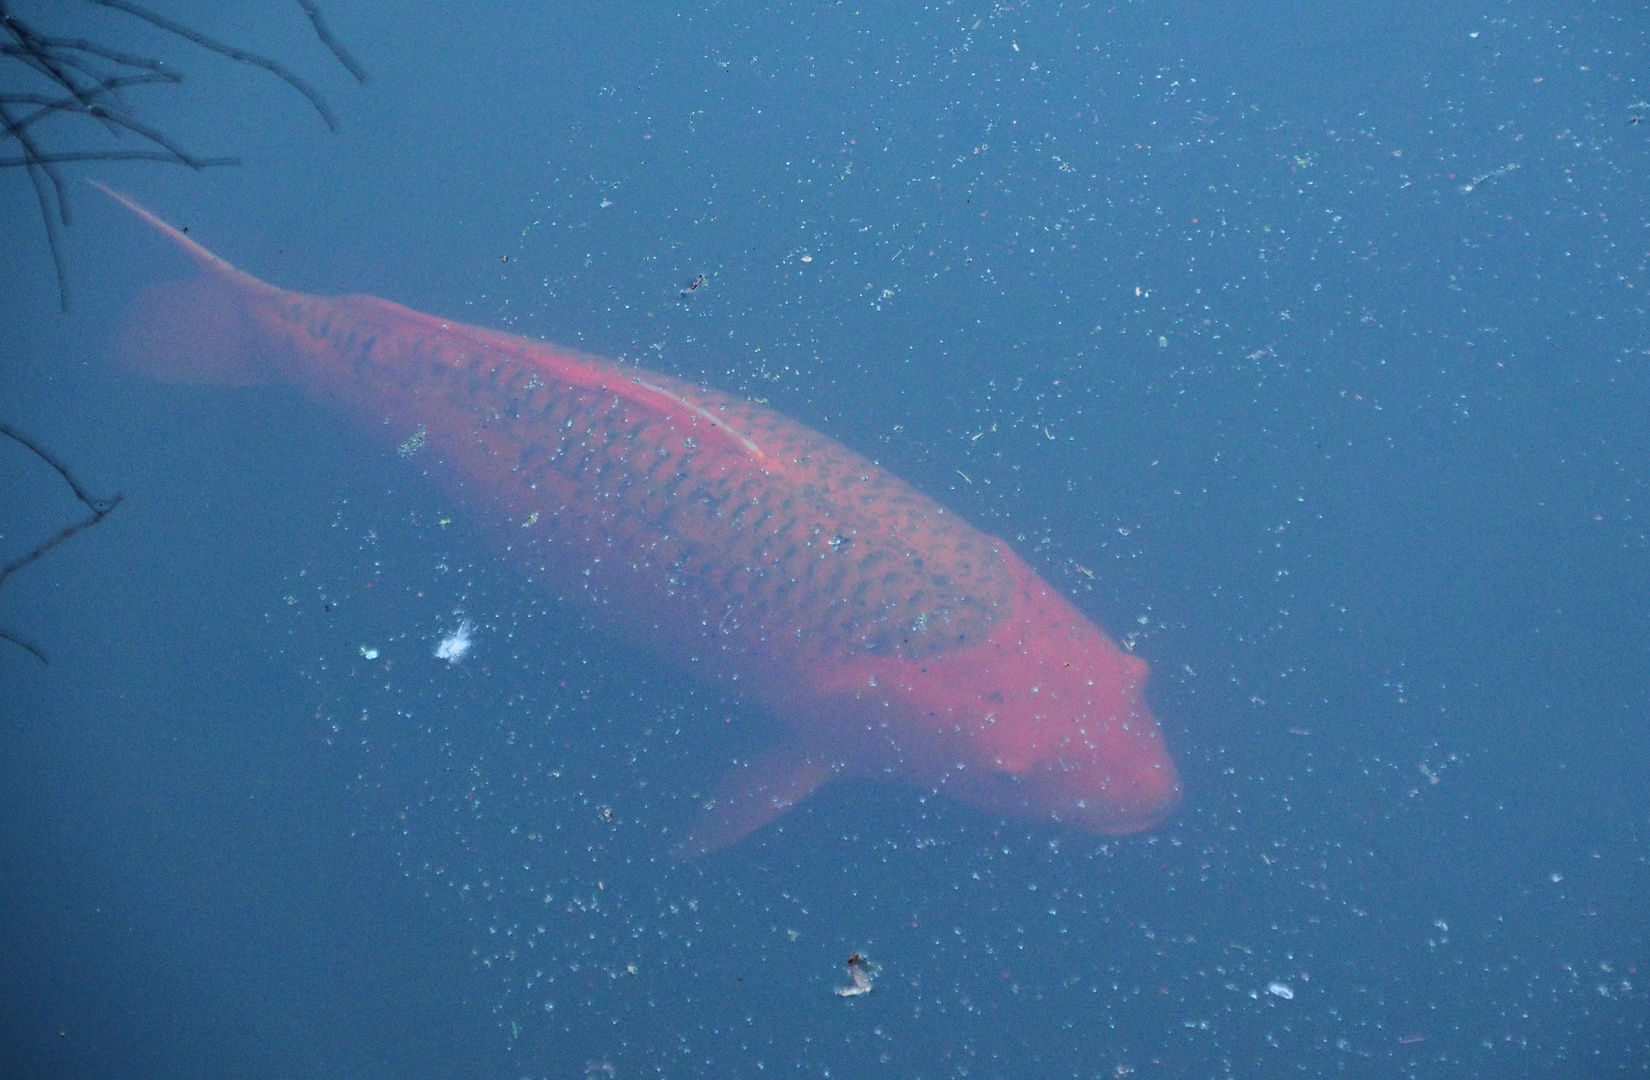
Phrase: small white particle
(456,645)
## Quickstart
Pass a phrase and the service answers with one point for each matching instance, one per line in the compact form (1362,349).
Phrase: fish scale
(726,528)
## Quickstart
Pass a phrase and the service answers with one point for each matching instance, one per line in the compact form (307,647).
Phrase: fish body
(886,634)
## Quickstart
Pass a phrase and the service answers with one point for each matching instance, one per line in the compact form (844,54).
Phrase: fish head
(1045,719)
(1067,738)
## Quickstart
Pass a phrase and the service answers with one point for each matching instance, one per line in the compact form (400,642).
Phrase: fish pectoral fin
(759,791)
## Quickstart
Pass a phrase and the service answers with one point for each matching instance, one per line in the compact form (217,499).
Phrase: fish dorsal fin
(195,331)
(212,264)
(656,393)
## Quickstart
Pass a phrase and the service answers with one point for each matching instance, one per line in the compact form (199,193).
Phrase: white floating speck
(456,645)
(1282,990)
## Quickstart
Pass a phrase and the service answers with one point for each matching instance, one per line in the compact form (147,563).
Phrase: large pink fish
(889,637)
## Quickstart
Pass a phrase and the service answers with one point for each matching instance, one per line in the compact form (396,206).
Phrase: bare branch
(118,155)
(313,10)
(35,166)
(89,89)
(239,55)
(20,643)
(100,509)
(61,45)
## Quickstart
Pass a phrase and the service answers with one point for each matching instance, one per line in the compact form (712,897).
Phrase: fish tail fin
(198,331)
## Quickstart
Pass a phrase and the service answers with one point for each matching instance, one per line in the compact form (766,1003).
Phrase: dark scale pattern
(767,531)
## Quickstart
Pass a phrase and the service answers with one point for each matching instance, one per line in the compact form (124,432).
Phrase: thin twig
(92,503)
(35,165)
(82,45)
(100,509)
(313,10)
(62,106)
(15,640)
(68,65)
(65,533)
(108,87)
(119,155)
(238,55)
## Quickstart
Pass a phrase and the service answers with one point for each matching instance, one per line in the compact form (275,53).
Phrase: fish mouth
(1120,817)
(1111,799)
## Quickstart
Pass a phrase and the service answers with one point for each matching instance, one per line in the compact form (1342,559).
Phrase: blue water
(1306,349)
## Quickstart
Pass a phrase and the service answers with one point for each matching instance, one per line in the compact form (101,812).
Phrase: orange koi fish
(887,636)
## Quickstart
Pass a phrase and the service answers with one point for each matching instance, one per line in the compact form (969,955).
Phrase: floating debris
(859,974)
(413,443)
(1491,175)
(456,645)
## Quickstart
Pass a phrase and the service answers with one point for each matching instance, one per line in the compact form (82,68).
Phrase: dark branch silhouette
(313,10)
(87,79)
(241,56)
(99,509)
